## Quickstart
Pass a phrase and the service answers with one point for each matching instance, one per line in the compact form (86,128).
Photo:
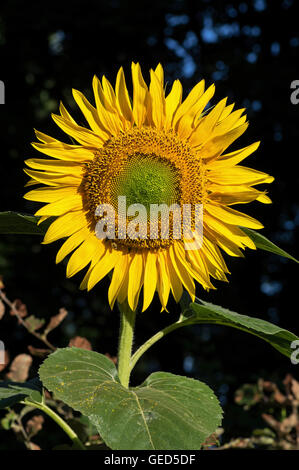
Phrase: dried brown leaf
(34,425)
(288,383)
(295,389)
(2,286)
(211,441)
(19,368)
(276,425)
(2,309)
(6,360)
(20,307)
(288,423)
(112,358)
(56,320)
(38,352)
(33,446)
(80,342)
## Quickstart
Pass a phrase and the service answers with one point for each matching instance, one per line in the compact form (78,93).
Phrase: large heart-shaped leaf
(205,312)
(263,243)
(165,412)
(14,392)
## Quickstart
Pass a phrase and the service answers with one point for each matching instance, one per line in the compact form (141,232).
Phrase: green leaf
(14,392)
(264,244)
(8,419)
(33,323)
(205,312)
(15,223)
(166,412)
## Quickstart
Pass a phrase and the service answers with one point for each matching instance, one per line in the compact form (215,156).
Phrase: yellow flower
(155,149)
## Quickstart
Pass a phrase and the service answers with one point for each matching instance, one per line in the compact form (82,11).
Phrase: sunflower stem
(78,445)
(127,323)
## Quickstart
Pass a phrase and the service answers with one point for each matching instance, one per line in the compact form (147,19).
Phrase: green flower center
(147,179)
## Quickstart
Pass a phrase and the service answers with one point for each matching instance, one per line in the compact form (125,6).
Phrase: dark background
(250,50)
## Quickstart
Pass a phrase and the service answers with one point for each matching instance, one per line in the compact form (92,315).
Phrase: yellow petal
(69,203)
(44,137)
(199,267)
(212,253)
(65,226)
(182,254)
(31,182)
(98,256)
(53,179)
(160,73)
(120,272)
(135,279)
(188,120)
(181,270)
(230,122)
(175,282)
(150,278)
(233,158)
(122,97)
(228,245)
(216,146)
(239,175)
(172,102)
(49,194)
(215,272)
(108,115)
(239,194)
(226,112)
(103,267)
(239,122)
(157,100)
(65,114)
(140,95)
(42,219)
(66,167)
(63,151)
(90,114)
(205,128)
(264,199)
(111,99)
(123,292)
(220,227)
(81,134)
(233,217)
(109,92)
(163,280)
(71,243)
(187,105)
(83,255)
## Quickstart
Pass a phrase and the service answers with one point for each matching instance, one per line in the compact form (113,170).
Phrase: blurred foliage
(250,50)
(278,410)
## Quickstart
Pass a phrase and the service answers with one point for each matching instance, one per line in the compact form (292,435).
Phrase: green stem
(66,428)
(127,323)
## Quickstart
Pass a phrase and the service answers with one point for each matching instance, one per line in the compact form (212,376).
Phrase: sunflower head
(157,151)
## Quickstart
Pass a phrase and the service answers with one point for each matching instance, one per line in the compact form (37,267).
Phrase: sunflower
(154,149)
